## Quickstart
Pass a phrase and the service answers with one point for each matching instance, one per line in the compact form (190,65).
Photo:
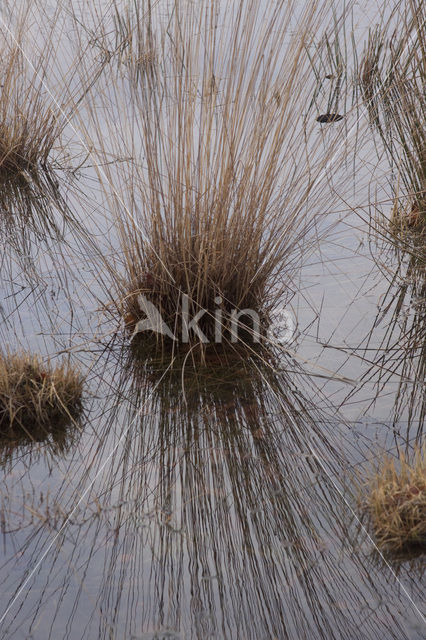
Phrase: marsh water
(217,501)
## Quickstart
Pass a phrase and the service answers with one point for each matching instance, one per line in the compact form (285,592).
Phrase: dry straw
(396,503)
(36,397)
(28,126)
(212,173)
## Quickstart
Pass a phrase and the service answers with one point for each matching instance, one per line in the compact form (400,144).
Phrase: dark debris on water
(329,117)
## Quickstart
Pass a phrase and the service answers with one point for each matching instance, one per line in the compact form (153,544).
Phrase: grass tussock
(29,127)
(227,177)
(36,397)
(392,77)
(396,503)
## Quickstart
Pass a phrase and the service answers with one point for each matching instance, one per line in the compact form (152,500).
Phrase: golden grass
(226,179)
(396,503)
(35,396)
(28,128)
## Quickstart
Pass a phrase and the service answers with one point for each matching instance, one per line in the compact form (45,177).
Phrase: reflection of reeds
(330,64)
(412,342)
(134,39)
(123,35)
(223,518)
(46,443)
(401,353)
(211,518)
(36,398)
(29,203)
(392,77)
(396,503)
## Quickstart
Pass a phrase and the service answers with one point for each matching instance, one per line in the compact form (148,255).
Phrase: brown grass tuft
(396,503)
(36,396)
(28,126)
(227,178)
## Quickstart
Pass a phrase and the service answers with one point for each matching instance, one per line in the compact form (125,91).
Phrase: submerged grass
(396,503)
(36,397)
